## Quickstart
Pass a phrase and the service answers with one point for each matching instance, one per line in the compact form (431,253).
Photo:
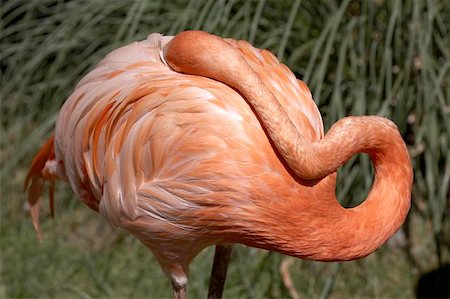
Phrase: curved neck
(320,229)
(313,225)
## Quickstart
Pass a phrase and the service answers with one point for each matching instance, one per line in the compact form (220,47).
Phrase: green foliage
(390,58)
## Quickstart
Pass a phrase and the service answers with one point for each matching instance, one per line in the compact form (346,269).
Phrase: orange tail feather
(37,175)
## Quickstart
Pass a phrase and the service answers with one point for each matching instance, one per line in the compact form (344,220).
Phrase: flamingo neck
(313,225)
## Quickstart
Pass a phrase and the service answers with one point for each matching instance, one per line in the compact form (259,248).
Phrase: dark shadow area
(434,284)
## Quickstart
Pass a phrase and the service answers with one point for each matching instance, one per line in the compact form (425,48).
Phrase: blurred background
(358,57)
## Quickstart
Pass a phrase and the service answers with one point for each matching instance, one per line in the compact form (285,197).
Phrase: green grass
(390,58)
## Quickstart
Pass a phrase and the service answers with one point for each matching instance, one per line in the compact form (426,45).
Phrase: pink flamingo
(194,140)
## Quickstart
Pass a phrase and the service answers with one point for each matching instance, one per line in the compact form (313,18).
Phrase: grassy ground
(389,58)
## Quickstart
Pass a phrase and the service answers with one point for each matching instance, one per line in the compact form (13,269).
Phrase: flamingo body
(165,155)
(183,161)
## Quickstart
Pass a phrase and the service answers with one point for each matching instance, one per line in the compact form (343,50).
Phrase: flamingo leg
(219,271)
(178,275)
(180,291)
